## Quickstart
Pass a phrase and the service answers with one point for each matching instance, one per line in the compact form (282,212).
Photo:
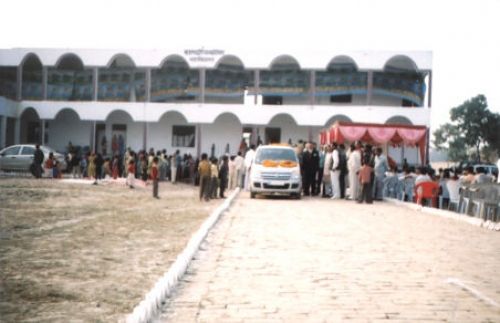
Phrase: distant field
(78,252)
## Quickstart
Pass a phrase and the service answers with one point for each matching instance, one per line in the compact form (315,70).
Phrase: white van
(275,171)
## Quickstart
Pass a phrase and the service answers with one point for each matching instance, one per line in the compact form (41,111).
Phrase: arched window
(175,81)
(8,77)
(69,80)
(401,80)
(284,82)
(226,83)
(32,78)
(340,82)
(121,81)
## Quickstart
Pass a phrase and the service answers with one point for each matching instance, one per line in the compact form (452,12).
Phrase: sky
(464,36)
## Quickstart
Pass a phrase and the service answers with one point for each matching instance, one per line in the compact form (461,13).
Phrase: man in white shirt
(249,156)
(422,176)
(327,180)
(239,167)
(335,173)
(354,165)
(381,167)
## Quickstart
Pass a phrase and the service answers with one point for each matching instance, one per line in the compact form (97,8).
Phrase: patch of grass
(66,247)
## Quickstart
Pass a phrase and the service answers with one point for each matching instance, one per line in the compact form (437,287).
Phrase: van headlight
(296,174)
(256,174)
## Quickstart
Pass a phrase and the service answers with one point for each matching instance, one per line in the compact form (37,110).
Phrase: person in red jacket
(154,177)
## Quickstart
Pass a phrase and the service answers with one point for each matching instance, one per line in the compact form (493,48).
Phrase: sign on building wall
(203,57)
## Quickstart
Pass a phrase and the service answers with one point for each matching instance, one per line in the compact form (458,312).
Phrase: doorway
(273,135)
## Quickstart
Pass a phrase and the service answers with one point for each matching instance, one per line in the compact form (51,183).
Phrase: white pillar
(312,87)
(92,137)
(17,131)
(95,84)
(42,132)
(429,91)
(256,85)
(202,85)
(148,85)
(145,136)
(45,79)
(19,83)
(369,90)
(198,140)
(3,131)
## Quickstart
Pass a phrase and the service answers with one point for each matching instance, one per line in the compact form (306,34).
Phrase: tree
(473,126)
(448,137)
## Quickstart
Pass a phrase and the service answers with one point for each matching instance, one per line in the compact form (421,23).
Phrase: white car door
(8,158)
(26,158)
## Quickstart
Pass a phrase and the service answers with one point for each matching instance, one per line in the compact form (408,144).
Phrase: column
(19,83)
(45,80)
(92,137)
(312,87)
(3,131)
(202,84)
(256,81)
(369,91)
(42,132)
(95,83)
(17,131)
(310,133)
(253,139)
(198,140)
(148,85)
(145,136)
(429,91)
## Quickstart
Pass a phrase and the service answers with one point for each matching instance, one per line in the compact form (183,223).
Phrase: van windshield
(275,154)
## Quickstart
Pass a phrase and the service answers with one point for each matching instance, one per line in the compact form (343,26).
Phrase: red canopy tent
(377,134)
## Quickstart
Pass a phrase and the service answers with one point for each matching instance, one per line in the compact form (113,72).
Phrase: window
(272,100)
(28,150)
(275,154)
(11,151)
(407,103)
(344,98)
(273,135)
(183,136)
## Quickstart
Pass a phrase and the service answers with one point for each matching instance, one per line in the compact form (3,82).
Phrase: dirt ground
(79,252)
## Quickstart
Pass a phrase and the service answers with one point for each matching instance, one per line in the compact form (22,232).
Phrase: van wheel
(252,195)
(296,196)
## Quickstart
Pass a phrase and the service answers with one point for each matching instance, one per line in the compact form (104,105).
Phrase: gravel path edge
(153,300)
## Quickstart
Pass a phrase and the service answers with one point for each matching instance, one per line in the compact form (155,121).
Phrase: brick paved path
(319,260)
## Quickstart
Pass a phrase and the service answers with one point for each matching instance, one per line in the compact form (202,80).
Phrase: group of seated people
(449,182)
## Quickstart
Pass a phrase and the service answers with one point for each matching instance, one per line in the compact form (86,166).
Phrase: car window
(12,150)
(27,150)
(275,154)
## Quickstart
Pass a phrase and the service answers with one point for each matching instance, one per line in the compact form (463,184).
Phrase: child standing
(130,173)
(365,176)
(154,177)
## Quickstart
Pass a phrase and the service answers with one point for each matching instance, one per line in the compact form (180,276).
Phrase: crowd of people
(362,173)
(359,173)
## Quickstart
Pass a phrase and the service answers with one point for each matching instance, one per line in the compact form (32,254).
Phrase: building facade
(204,100)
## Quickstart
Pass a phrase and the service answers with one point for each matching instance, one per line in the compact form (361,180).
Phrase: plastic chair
(409,187)
(427,190)
(454,193)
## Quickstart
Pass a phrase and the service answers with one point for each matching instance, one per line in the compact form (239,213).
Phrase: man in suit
(310,162)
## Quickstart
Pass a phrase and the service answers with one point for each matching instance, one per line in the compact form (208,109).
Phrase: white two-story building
(204,100)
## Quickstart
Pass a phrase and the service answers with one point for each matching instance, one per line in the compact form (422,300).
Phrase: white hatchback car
(19,157)
(275,171)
